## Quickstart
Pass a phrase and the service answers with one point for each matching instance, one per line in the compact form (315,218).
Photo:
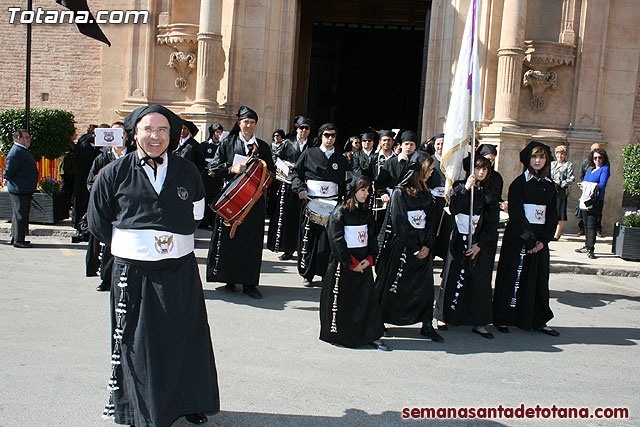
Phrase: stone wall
(66,69)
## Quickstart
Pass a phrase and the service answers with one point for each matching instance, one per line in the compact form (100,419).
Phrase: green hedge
(51,131)
(631,169)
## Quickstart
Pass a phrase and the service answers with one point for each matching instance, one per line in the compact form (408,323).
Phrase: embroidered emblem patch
(362,236)
(539,213)
(108,136)
(164,243)
(183,193)
(324,189)
(334,166)
(416,219)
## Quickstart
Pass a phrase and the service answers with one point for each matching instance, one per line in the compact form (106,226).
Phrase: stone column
(209,42)
(510,58)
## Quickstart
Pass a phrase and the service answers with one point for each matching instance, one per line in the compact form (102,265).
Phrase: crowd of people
(368,218)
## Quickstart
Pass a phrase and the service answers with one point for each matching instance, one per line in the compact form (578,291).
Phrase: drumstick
(440,225)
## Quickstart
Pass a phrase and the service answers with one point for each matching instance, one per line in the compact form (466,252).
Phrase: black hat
(214,127)
(279,132)
(327,126)
(438,136)
(387,133)
(368,135)
(175,122)
(301,120)
(247,113)
(484,149)
(409,135)
(351,179)
(193,129)
(525,154)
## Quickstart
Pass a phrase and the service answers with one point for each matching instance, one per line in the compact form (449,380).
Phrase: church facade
(558,71)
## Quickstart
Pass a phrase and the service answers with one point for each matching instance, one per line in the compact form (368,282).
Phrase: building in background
(559,71)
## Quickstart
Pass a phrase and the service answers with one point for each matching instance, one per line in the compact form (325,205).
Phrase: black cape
(313,244)
(405,282)
(237,260)
(351,296)
(531,309)
(83,155)
(445,221)
(191,150)
(465,290)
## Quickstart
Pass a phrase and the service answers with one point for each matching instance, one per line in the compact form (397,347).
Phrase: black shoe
(502,329)
(252,291)
(487,335)
(591,255)
(198,418)
(582,250)
(430,333)
(549,331)
(104,287)
(76,239)
(285,256)
(230,287)
(22,245)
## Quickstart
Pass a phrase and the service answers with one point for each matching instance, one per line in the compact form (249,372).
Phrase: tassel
(218,245)
(280,214)
(116,354)
(403,260)
(334,308)
(516,286)
(305,239)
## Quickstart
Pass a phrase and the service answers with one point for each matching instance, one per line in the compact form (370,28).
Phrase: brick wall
(64,64)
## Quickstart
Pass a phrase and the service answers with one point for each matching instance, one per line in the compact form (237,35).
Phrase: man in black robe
(284,225)
(318,173)
(188,147)
(146,206)
(366,155)
(238,259)
(84,153)
(212,185)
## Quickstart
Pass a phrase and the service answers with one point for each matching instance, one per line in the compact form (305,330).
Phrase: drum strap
(254,199)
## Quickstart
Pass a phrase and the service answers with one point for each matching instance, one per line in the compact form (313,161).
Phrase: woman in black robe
(405,266)
(521,296)
(349,305)
(465,292)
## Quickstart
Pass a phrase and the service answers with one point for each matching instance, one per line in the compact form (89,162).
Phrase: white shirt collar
(300,143)
(20,145)
(326,152)
(368,153)
(116,155)
(157,180)
(252,141)
(528,176)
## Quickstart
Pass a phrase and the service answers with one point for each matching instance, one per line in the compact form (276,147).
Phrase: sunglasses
(597,158)
(304,128)
(329,135)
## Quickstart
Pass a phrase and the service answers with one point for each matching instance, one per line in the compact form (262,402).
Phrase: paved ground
(273,370)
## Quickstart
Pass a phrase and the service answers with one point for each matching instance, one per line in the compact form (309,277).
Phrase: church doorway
(361,63)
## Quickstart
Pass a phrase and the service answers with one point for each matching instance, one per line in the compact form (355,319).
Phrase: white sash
(437,192)
(356,236)
(462,222)
(417,219)
(150,245)
(536,214)
(321,188)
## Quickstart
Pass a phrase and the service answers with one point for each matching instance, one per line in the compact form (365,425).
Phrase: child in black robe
(349,306)
(521,296)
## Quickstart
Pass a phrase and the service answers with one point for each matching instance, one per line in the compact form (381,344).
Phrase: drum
(237,194)
(318,210)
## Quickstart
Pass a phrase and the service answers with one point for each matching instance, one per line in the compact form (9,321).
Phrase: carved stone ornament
(183,62)
(539,81)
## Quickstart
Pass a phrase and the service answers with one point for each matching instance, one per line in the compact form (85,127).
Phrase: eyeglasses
(329,135)
(160,131)
(365,140)
(304,128)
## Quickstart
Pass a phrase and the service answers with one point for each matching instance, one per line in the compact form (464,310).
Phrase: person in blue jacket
(598,171)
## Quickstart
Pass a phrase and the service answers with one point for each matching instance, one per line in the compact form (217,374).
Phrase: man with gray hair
(21,174)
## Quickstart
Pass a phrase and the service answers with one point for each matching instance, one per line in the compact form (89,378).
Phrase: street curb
(593,271)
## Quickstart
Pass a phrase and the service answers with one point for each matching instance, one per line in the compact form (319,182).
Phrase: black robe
(313,245)
(531,309)
(405,282)
(465,290)
(212,185)
(390,175)
(445,223)
(190,149)
(351,296)
(98,260)
(83,155)
(237,260)
(162,339)
(284,224)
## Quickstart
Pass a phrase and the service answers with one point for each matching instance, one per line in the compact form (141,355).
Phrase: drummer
(318,173)
(284,223)
(238,260)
